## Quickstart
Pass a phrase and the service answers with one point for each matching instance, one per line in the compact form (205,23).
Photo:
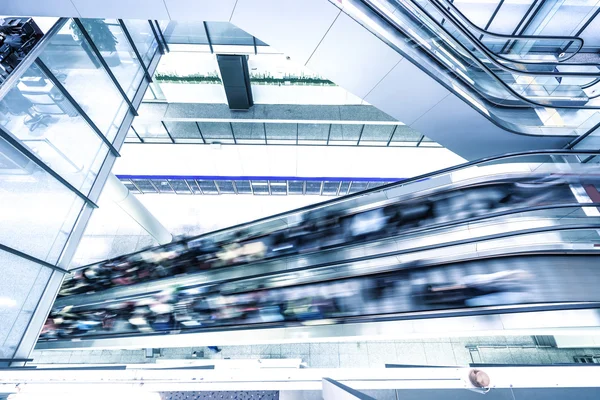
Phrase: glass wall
(61,113)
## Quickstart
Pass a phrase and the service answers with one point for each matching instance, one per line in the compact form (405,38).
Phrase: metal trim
(75,104)
(112,76)
(158,41)
(210,46)
(200,132)
(135,49)
(32,259)
(136,134)
(29,154)
(162,36)
(167,130)
(392,136)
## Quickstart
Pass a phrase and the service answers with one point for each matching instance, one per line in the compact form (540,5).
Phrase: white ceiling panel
(200,10)
(353,57)
(125,9)
(38,8)
(291,26)
(459,127)
(406,93)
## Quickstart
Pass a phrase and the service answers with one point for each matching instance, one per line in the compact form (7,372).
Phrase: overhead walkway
(512,234)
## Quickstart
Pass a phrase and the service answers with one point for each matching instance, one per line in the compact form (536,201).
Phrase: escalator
(511,234)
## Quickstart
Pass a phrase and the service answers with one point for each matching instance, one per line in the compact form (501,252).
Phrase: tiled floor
(427,351)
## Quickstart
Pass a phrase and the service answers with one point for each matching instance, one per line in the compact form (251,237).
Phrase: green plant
(195,78)
(100,33)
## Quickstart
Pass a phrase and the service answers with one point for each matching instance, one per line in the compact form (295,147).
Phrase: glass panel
(21,287)
(225,187)
(76,66)
(43,120)
(143,38)
(330,188)
(358,186)
(479,12)
(406,136)
(377,133)
(132,188)
(150,130)
(131,137)
(278,132)
(295,187)
(226,33)
(37,211)
(248,132)
(162,185)
(345,133)
(278,190)
(184,131)
(208,187)
(344,188)
(195,189)
(179,186)
(314,133)
(313,187)
(243,187)
(116,51)
(216,132)
(509,15)
(145,185)
(185,32)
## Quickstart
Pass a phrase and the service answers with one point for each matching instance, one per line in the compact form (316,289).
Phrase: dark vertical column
(236,80)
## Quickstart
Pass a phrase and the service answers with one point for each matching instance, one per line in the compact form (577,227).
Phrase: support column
(136,210)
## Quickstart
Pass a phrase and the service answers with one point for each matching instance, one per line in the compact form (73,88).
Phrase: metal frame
(210,46)
(362,129)
(164,41)
(135,49)
(136,134)
(29,154)
(160,45)
(200,132)
(112,76)
(167,130)
(232,133)
(32,259)
(76,105)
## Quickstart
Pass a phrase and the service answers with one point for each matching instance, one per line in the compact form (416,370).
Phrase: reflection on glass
(249,132)
(224,33)
(143,38)
(219,132)
(79,70)
(45,121)
(37,211)
(116,51)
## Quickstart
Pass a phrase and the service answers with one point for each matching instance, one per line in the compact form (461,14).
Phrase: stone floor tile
(324,361)
(439,354)
(292,349)
(353,361)
(411,353)
(324,348)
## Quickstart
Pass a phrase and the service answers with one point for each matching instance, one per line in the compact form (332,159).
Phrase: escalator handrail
(338,263)
(409,232)
(428,175)
(475,42)
(523,37)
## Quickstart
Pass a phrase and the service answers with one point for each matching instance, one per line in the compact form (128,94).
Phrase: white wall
(289,161)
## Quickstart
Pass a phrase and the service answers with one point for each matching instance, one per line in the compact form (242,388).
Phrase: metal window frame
(487,25)
(200,132)
(254,44)
(420,140)
(135,50)
(16,143)
(362,129)
(392,136)
(162,36)
(265,132)
(158,41)
(328,135)
(112,76)
(63,90)
(32,259)
(232,133)
(167,130)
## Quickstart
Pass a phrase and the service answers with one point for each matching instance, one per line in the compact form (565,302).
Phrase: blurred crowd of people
(193,309)
(317,230)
